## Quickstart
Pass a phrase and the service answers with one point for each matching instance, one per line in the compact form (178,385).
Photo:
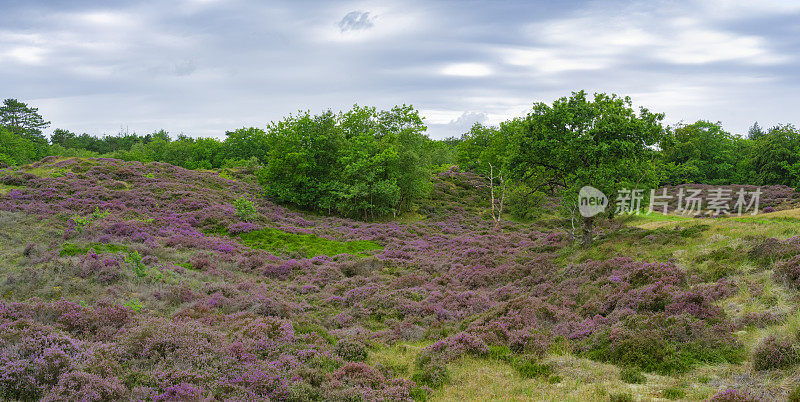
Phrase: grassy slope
(584,379)
(581,379)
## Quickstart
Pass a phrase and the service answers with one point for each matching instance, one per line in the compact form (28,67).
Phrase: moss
(71,249)
(278,241)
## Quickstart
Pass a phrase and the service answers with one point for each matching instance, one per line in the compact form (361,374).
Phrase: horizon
(202,68)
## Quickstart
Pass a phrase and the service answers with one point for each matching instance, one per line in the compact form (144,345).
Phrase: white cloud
(467,70)
(30,55)
(599,40)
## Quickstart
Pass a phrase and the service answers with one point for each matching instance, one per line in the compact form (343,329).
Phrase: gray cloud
(204,67)
(355,21)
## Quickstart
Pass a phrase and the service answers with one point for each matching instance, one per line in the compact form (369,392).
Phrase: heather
(147,281)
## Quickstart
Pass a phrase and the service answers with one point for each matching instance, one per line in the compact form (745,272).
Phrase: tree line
(367,163)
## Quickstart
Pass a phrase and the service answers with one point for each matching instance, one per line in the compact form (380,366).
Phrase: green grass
(5,188)
(652,217)
(71,249)
(278,241)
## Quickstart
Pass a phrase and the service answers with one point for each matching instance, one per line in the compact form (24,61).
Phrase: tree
(302,160)
(701,152)
(245,143)
(362,163)
(775,157)
(23,120)
(497,205)
(15,150)
(575,142)
(755,131)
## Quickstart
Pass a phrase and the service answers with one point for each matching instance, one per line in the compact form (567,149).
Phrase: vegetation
(343,256)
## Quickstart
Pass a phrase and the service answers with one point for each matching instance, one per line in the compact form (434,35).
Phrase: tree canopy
(23,120)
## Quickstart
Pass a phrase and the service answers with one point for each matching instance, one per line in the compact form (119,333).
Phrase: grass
(709,248)
(398,359)
(71,249)
(6,188)
(278,241)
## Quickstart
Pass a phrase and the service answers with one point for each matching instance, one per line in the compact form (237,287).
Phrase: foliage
(16,150)
(351,350)
(775,157)
(361,163)
(775,353)
(134,259)
(701,152)
(631,375)
(308,245)
(601,142)
(23,120)
(245,209)
(81,222)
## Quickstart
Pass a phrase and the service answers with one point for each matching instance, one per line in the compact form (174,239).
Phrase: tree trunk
(587,231)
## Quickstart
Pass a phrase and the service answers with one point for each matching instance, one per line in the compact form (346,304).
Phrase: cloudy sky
(202,67)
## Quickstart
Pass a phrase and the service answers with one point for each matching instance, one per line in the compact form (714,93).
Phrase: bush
(620,398)
(433,374)
(80,386)
(794,395)
(351,350)
(528,367)
(673,393)
(362,163)
(134,259)
(788,272)
(631,375)
(245,209)
(775,353)
(733,395)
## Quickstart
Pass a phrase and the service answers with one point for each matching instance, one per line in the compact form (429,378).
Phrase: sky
(204,67)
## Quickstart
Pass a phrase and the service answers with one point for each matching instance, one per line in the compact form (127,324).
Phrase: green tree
(361,163)
(577,141)
(701,152)
(15,150)
(775,157)
(302,160)
(245,143)
(23,120)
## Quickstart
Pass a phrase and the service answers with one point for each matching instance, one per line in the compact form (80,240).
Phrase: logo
(591,201)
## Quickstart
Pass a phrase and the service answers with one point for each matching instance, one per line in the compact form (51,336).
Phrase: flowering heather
(775,353)
(733,395)
(205,314)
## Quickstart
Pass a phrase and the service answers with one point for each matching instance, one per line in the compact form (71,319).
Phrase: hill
(149,281)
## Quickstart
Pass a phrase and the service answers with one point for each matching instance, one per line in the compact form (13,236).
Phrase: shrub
(631,375)
(775,353)
(794,394)
(620,398)
(788,272)
(134,259)
(673,392)
(82,222)
(81,386)
(182,392)
(245,209)
(528,367)
(351,350)
(733,395)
